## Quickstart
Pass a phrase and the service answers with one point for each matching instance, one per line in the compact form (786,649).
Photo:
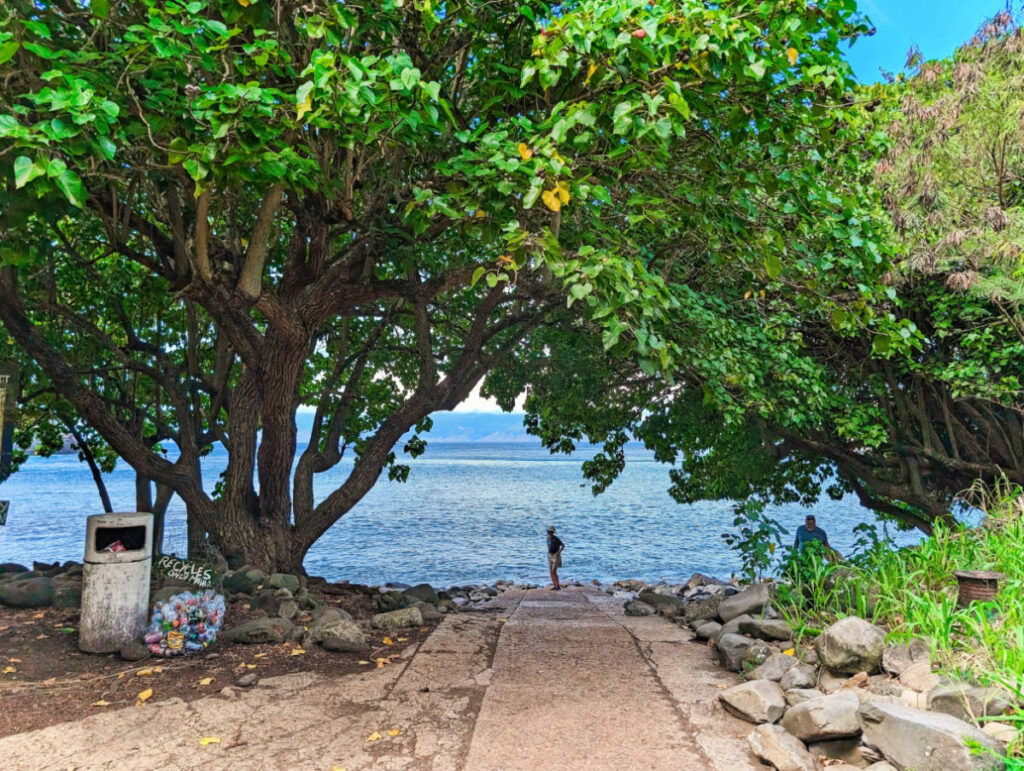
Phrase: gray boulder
(429,612)
(284,581)
(422,593)
(708,630)
(288,609)
(773,668)
(830,717)
(732,626)
(397,619)
(767,629)
(341,636)
(926,741)
(665,604)
(702,608)
(731,648)
(639,608)
(851,645)
(261,630)
(919,677)
(243,581)
(779,749)
(967,701)
(756,654)
(759,701)
(68,595)
(9,568)
(135,651)
(796,696)
(30,593)
(750,601)
(394,600)
(799,676)
(897,658)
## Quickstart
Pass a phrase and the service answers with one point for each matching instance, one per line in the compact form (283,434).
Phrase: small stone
(796,696)
(830,717)
(248,680)
(851,645)
(731,648)
(732,626)
(850,751)
(228,692)
(759,701)
(708,629)
(773,668)
(799,676)
(755,655)
(397,619)
(829,682)
(897,658)
(751,601)
(779,749)
(429,612)
(422,593)
(1001,732)
(919,677)
(389,601)
(288,609)
(638,608)
(859,680)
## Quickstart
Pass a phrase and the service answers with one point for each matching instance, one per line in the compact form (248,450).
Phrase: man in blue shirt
(809,531)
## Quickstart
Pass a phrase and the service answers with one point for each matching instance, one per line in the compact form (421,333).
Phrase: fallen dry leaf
(364,662)
(402,639)
(250,666)
(788,652)
(206,681)
(143,697)
(209,740)
(40,614)
(101,703)
(394,732)
(8,670)
(42,636)
(259,655)
(14,660)
(297,651)
(144,673)
(338,768)
(374,737)
(388,641)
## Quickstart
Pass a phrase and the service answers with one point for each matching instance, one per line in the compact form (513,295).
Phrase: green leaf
(410,77)
(100,8)
(23,167)
(477,274)
(8,50)
(881,344)
(773,266)
(72,187)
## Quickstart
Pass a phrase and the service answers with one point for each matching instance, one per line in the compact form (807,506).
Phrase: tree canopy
(215,212)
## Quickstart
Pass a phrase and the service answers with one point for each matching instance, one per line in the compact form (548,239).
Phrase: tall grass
(912,592)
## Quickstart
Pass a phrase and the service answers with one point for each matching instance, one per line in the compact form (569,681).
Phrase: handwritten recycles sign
(194,573)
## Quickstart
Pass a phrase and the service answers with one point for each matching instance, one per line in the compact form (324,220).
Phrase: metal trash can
(115,581)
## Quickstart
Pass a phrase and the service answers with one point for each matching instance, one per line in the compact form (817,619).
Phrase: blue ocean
(471,512)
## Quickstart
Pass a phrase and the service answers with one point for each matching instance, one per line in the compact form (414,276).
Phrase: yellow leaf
(250,666)
(8,670)
(551,200)
(562,190)
(788,652)
(101,703)
(762,294)
(480,214)
(381,663)
(400,639)
(590,73)
(14,660)
(338,768)
(297,651)
(301,108)
(259,655)
(747,295)
(209,740)
(558,157)
(245,3)
(206,681)
(524,151)
(374,737)
(388,641)
(143,697)
(792,54)
(364,662)
(40,614)
(144,673)
(394,732)
(120,675)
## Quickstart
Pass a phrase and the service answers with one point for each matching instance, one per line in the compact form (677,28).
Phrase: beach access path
(540,680)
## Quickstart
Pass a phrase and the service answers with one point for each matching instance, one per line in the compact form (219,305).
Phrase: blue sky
(937,27)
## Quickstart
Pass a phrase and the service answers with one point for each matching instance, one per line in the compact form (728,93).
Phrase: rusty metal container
(976,585)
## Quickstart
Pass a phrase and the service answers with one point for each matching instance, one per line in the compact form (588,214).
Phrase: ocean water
(470,513)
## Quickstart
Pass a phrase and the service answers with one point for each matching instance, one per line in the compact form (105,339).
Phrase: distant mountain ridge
(455,427)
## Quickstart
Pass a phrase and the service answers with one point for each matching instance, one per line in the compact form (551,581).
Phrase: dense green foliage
(215,212)
(983,642)
(782,399)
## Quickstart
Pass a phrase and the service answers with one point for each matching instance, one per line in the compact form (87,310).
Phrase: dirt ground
(45,679)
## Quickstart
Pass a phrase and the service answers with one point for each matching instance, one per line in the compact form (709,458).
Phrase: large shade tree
(906,418)
(367,208)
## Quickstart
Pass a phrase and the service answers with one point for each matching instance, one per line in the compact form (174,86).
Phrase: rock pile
(850,701)
(58,585)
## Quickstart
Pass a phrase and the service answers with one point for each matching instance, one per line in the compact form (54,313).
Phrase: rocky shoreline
(849,701)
